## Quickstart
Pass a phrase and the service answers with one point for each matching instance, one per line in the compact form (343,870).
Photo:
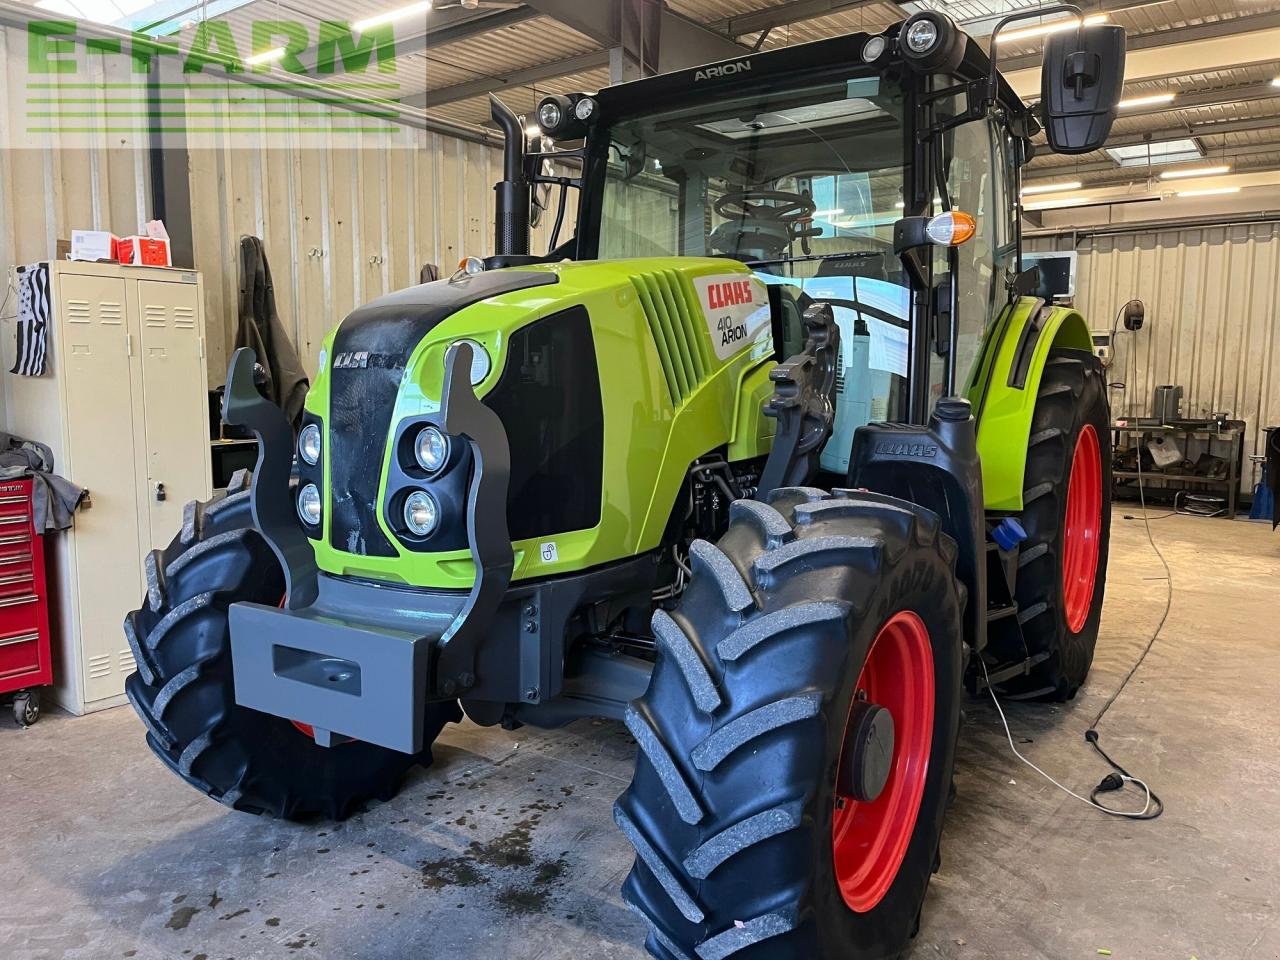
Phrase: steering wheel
(770,206)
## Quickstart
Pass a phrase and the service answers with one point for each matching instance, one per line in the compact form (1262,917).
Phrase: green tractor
(771,460)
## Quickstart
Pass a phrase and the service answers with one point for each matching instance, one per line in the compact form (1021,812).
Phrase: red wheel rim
(1082,529)
(870,840)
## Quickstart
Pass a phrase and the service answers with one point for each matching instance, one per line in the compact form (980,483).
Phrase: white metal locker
(172,359)
(123,407)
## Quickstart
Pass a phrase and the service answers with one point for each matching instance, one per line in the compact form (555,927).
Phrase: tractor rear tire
(1062,566)
(183,688)
(810,606)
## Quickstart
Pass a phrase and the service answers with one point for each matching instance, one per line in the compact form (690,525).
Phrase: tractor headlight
(874,49)
(565,118)
(309,505)
(421,514)
(931,42)
(550,115)
(431,449)
(309,444)
(922,36)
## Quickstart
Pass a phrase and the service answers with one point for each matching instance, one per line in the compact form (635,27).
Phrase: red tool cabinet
(25,659)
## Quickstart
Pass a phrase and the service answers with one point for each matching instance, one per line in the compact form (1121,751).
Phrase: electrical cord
(1153,806)
(1168,605)
(1151,809)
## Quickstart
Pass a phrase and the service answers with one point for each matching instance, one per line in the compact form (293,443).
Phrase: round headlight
(584,108)
(480,362)
(421,513)
(549,115)
(309,505)
(309,443)
(922,36)
(431,449)
(874,49)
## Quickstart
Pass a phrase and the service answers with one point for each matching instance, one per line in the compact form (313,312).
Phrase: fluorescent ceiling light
(1276,82)
(266,56)
(1058,204)
(1195,172)
(1167,151)
(1217,192)
(1057,26)
(829,213)
(1038,188)
(391,16)
(1147,101)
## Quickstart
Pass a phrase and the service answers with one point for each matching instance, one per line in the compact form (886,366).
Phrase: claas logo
(731,294)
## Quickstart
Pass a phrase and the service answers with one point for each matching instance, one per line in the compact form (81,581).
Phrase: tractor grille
(671,307)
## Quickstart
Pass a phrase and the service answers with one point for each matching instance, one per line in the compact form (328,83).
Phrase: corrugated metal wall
(45,191)
(1213,318)
(341,224)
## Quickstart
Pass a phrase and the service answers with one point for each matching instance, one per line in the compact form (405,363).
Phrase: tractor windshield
(774,176)
(803,184)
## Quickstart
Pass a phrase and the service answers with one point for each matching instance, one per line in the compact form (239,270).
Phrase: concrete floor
(506,849)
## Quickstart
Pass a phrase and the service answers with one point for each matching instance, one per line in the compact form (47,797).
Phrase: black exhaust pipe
(511,221)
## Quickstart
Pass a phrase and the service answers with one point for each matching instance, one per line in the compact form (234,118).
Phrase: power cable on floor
(1168,605)
(1153,807)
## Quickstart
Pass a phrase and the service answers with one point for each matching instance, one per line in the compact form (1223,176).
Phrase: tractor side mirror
(1081,86)
(1135,315)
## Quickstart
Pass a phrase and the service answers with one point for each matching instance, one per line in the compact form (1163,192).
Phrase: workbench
(1200,431)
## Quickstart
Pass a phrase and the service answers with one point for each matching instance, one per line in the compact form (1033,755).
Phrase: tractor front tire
(813,612)
(1062,566)
(183,689)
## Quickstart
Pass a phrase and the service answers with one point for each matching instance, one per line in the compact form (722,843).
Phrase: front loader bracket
(803,404)
(270,495)
(462,414)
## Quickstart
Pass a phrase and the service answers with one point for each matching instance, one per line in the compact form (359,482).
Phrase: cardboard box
(93,245)
(145,252)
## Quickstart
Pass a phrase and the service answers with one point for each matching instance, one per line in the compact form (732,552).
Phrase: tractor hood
(368,357)
(609,379)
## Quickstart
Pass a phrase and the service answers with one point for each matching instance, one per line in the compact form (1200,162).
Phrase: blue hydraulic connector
(1008,534)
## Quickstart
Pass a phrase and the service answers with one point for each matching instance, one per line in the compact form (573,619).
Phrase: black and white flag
(33,320)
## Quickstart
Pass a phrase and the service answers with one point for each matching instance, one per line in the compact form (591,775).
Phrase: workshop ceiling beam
(1146,177)
(1167,54)
(783,14)
(1207,99)
(448,26)
(591,60)
(685,43)
(599,20)
(452,25)
(1208,128)
(679,43)
(1041,173)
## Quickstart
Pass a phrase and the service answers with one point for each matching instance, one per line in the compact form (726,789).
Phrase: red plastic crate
(25,657)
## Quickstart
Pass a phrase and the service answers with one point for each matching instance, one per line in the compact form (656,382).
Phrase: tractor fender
(1005,384)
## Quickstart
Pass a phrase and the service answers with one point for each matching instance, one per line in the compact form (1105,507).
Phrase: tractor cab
(803,163)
